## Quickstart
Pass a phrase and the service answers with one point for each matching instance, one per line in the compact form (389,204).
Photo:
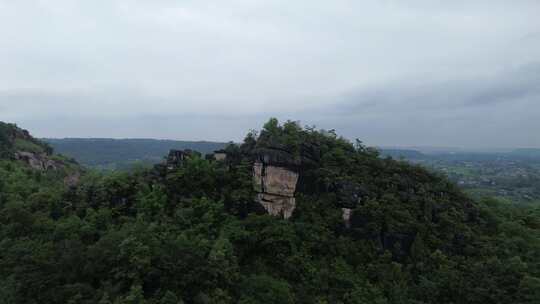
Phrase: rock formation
(349,195)
(275,184)
(177,157)
(220,155)
(38,161)
(347,212)
(46,162)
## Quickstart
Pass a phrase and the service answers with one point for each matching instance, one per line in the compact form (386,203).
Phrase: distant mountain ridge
(108,153)
(443,153)
(527,152)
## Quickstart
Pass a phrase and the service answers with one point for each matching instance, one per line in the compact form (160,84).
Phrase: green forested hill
(194,234)
(13,139)
(106,153)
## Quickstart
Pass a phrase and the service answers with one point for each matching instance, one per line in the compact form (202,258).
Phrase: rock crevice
(275,185)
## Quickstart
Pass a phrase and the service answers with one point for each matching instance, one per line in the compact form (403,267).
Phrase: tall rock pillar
(275,184)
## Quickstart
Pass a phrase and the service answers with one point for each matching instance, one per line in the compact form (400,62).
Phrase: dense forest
(193,233)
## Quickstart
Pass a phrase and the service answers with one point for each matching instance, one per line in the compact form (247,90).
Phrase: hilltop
(14,139)
(291,215)
(17,144)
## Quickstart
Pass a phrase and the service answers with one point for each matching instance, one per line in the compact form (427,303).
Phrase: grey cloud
(387,71)
(505,86)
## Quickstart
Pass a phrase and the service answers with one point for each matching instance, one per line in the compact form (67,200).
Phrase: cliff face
(274,180)
(275,185)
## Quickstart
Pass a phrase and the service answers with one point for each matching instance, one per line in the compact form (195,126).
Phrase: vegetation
(123,154)
(192,234)
(14,139)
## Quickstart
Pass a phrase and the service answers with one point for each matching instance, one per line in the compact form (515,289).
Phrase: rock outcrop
(349,195)
(45,162)
(347,213)
(176,158)
(38,161)
(275,184)
(220,155)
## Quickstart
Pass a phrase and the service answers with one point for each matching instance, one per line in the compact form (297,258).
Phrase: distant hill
(531,152)
(106,153)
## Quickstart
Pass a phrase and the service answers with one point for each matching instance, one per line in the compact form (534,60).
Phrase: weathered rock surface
(274,180)
(275,184)
(44,162)
(347,213)
(176,158)
(277,205)
(38,161)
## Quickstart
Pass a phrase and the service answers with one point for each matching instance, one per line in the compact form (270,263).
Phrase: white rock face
(274,180)
(347,216)
(220,156)
(276,187)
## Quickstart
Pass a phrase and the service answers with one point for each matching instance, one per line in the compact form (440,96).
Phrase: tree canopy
(193,234)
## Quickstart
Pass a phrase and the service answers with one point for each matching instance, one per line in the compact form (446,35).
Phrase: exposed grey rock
(38,161)
(44,162)
(176,158)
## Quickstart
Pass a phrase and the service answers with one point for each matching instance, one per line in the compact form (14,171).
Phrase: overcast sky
(393,73)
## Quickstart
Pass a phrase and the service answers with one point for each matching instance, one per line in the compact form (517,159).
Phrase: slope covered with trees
(13,139)
(194,234)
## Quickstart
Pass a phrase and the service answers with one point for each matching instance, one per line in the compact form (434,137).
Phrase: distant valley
(512,176)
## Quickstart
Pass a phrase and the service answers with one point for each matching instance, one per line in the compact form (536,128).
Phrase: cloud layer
(453,73)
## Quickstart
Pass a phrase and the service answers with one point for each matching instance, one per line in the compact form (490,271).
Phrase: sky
(461,73)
